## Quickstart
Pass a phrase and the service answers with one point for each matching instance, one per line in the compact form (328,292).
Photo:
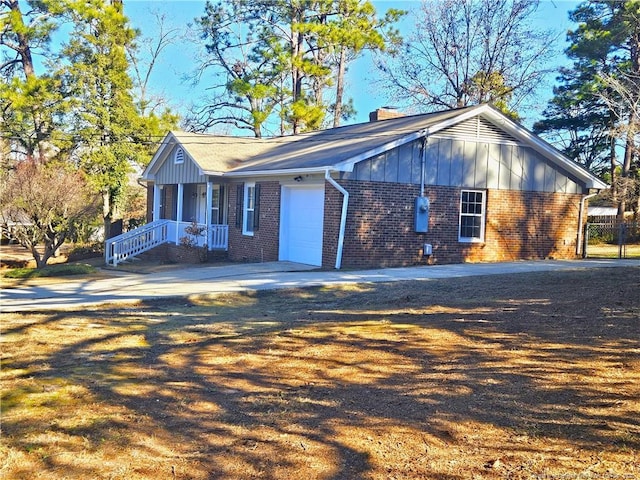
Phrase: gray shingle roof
(326,148)
(216,153)
(320,149)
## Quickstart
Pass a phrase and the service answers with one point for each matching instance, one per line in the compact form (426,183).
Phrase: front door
(201,203)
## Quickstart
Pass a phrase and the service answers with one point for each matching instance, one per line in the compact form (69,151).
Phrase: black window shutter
(239,202)
(256,208)
(222,207)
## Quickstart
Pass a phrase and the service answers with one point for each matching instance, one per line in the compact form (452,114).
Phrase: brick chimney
(384,113)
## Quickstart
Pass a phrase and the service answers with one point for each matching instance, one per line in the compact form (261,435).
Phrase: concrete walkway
(71,293)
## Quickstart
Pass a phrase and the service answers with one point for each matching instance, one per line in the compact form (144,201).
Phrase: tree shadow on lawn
(487,376)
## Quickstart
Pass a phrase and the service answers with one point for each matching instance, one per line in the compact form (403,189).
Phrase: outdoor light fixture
(298,178)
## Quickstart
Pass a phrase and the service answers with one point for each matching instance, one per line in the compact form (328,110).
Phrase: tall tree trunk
(297,73)
(26,60)
(106,213)
(634,122)
(337,112)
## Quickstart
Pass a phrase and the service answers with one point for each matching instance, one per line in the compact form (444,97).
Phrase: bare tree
(144,55)
(464,52)
(621,93)
(44,203)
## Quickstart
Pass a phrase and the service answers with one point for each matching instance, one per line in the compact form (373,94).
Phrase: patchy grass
(606,250)
(60,270)
(520,376)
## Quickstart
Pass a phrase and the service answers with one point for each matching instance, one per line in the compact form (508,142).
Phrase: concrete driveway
(69,293)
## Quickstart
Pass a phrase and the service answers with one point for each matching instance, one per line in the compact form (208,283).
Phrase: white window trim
(245,208)
(178,156)
(483,218)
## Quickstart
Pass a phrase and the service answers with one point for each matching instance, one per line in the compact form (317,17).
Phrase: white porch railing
(217,238)
(134,242)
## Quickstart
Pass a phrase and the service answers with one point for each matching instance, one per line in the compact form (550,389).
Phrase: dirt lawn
(521,376)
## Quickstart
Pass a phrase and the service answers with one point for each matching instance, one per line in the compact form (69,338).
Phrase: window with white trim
(249,208)
(178,156)
(472,216)
(216,204)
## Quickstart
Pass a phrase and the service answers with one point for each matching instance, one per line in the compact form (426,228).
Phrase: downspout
(579,249)
(343,216)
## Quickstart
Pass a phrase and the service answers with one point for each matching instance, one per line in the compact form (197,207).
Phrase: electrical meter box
(421,215)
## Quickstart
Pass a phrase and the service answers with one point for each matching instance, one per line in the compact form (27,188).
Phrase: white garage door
(302,216)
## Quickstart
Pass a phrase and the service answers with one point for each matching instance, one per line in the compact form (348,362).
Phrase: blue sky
(178,61)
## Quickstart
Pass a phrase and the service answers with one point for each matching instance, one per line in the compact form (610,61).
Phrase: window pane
(470,227)
(249,209)
(251,198)
(249,221)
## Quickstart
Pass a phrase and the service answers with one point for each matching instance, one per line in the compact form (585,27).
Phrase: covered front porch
(187,205)
(190,214)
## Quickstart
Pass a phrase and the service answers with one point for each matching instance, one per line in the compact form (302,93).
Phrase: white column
(157,189)
(207,214)
(179,207)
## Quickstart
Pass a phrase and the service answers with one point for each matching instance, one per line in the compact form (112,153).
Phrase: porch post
(156,202)
(208,207)
(179,207)
(207,213)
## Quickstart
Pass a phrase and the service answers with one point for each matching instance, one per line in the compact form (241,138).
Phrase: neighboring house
(465,185)
(602,214)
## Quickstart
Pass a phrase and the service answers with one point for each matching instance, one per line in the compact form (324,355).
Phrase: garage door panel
(302,223)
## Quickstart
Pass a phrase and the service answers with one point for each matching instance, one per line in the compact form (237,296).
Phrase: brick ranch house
(464,185)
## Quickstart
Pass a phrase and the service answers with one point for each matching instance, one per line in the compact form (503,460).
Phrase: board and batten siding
(172,173)
(473,154)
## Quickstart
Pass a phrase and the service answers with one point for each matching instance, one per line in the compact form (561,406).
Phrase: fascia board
(149,172)
(347,165)
(284,171)
(211,173)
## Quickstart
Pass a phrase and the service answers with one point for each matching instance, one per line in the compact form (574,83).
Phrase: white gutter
(343,216)
(281,171)
(579,249)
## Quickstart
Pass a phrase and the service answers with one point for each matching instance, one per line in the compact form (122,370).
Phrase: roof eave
(282,171)
(166,141)
(347,165)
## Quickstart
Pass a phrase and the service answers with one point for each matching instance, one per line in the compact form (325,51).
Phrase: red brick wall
(263,245)
(149,202)
(331,227)
(379,231)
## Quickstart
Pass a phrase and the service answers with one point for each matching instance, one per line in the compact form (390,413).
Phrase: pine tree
(283,58)
(603,90)
(31,106)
